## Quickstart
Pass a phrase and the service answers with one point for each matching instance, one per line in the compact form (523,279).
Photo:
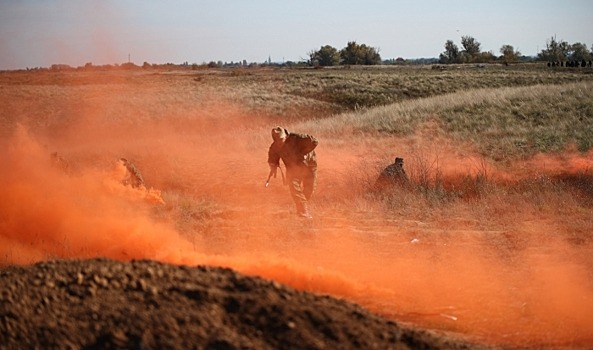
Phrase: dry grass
(504,123)
(505,114)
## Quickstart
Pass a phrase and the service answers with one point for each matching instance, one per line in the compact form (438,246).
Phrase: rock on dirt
(107,304)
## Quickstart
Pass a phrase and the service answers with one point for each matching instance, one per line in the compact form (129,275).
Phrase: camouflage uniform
(133,177)
(393,174)
(297,153)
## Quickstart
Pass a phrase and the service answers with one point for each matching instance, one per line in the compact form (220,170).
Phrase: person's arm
(273,160)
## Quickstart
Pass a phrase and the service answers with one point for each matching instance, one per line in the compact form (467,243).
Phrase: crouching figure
(393,175)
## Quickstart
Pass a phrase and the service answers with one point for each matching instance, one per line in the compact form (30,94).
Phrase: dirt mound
(104,303)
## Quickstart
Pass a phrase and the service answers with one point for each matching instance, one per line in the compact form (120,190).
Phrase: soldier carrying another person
(297,151)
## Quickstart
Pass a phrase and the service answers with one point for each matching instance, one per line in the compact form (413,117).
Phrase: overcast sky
(39,33)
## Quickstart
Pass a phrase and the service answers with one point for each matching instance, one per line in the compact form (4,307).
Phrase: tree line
(556,52)
(560,51)
(469,52)
(352,54)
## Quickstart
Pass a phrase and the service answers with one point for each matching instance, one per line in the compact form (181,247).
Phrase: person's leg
(310,183)
(296,191)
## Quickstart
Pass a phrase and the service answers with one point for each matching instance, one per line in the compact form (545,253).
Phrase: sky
(39,33)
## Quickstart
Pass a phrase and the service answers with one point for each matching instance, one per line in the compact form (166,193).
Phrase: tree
(371,55)
(451,54)
(471,48)
(351,53)
(485,57)
(325,56)
(579,52)
(509,54)
(354,54)
(555,51)
(213,64)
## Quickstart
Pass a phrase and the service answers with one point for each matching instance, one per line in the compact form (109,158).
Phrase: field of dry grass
(493,237)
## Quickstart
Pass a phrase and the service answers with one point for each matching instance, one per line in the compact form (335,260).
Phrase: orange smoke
(47,213)
(507,281)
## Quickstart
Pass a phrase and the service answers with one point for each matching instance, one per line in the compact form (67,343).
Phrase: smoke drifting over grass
(512,266)
(50,213)
(522,284)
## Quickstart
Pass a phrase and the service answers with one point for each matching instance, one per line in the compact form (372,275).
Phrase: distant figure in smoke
(297,151)
(393,174)
(133,176)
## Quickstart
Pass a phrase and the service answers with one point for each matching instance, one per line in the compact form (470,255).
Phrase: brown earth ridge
(108,304)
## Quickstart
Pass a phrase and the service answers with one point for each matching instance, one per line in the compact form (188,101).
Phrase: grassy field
(514,111)
(494,118)
(499,115)
(503,123)
(501,196)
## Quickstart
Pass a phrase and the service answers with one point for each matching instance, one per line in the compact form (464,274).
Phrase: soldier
(297,153)
(393,174)
(133,176)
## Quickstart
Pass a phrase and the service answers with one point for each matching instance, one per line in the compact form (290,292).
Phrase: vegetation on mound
(356,88)
(503,123)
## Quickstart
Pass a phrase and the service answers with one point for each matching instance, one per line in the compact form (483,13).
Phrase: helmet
(279,133)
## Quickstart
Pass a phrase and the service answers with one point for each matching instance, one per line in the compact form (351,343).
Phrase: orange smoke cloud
(48,213)
(516,284)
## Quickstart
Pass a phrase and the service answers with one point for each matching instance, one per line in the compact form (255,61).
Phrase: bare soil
(107,304)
